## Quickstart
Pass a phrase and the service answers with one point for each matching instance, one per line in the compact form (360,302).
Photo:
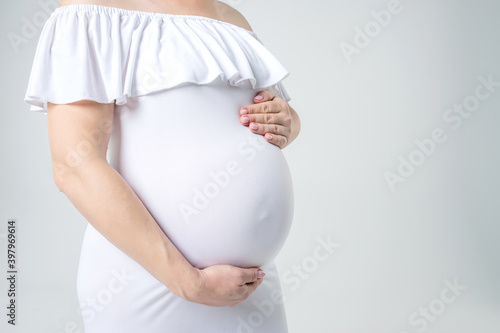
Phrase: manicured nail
(259,97)
(260,274)
(254,126)
(269,136)
(244,111)
(246,120)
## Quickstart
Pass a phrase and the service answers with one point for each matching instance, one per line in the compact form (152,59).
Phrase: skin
(105,199)
(272,117)
(275,118)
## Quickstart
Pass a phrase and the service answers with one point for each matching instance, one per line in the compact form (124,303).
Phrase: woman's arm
(78,136)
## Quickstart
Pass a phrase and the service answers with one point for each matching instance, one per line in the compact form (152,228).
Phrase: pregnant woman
(193,200)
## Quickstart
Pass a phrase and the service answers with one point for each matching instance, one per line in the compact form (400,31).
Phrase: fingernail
(254,126)
(260,274)
(244,111)
(246,120)
(269,136)
(259,97)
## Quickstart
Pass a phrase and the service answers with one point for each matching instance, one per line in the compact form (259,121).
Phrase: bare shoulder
(228,13)
(233,16)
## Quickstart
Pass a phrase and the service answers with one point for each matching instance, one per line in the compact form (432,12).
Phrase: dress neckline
(102,8)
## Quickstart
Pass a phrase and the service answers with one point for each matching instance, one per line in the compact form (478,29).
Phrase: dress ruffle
(99,53)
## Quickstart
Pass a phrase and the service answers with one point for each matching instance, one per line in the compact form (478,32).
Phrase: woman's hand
(272,117)
(223,285)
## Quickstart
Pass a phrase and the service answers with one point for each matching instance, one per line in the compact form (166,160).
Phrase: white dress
(222,194)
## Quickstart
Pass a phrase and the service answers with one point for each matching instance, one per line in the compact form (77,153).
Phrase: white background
(395,248)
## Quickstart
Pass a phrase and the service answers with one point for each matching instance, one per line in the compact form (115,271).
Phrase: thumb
(252,274)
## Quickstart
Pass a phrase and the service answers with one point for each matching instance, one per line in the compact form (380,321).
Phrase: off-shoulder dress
(222,194)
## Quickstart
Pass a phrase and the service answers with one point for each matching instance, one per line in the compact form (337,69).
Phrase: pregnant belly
(222,194)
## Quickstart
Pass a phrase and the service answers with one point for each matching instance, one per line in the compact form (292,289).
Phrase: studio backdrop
(396,178)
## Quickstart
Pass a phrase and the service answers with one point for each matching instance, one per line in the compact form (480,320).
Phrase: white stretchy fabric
(221,193)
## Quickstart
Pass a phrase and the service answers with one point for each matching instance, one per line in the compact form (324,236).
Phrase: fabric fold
(99,53)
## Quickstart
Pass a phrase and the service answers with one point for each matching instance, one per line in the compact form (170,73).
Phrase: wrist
(188,283)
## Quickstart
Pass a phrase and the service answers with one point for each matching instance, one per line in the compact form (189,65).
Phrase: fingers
(270,106)
(249,275)
(264,96)
(247,289)
(225,285)
(269,128)
(272,113)
(273,133)
(271,118)
(268,118)
(251,287)
(277,140)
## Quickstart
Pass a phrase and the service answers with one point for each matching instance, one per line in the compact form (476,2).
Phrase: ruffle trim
(100,53)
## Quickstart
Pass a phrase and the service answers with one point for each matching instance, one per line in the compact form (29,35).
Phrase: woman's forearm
(106,200)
